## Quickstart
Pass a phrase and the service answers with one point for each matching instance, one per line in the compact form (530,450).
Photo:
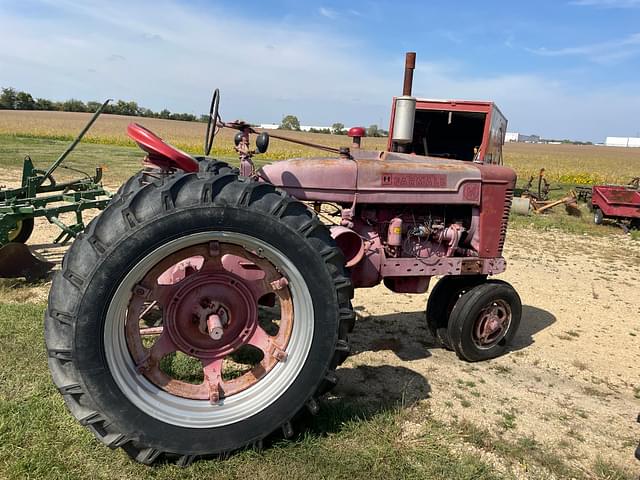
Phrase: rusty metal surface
(409,66)
(431,266)
(208,314)
(492,324)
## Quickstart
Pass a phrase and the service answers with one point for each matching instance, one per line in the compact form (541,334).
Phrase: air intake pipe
(350,244)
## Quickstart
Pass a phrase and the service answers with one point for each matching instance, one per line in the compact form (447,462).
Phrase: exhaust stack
(405,108)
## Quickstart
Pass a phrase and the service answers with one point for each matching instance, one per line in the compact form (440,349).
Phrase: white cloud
(607,52)
(607,3)
(327,12)
(173,56)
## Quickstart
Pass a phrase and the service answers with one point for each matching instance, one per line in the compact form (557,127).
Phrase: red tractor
(206,308)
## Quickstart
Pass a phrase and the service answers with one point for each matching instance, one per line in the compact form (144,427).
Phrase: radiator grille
(508,198)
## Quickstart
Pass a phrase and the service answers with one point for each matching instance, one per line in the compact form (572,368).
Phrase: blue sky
(561,69)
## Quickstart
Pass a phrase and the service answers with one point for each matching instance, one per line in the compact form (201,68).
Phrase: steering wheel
(212,123)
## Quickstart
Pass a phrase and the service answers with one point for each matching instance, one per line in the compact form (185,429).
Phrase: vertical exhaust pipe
(409,67)
(405,108)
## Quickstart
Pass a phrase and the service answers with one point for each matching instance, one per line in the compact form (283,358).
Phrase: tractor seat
(159,152)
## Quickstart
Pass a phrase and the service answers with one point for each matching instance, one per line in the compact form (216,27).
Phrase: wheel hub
(492,324)
(200,298)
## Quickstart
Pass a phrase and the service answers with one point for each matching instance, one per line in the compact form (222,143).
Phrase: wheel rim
(14,232)
(207,287)
(492,324)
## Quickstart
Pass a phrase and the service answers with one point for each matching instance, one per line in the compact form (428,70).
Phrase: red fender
(160,153)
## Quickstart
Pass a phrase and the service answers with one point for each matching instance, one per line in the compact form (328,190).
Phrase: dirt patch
(570,382)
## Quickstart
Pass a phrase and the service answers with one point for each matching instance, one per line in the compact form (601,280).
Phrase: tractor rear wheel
(147,175)
(441,301)
(197,316)
(484,321)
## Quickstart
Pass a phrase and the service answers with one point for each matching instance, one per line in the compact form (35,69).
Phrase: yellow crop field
(570,164)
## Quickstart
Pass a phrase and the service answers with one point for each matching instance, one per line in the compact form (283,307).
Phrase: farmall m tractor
(206,308)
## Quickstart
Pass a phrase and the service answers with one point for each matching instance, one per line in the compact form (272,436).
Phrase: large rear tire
(191,248)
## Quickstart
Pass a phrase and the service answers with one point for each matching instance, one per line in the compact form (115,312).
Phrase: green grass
(39,438)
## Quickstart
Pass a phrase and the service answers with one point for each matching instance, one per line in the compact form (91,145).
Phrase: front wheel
(598,216)
(484,321)
(441,301)
(197,317)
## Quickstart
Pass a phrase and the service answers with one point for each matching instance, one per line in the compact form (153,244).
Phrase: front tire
(144,249)
(484,321)
(441,301)
(598,216)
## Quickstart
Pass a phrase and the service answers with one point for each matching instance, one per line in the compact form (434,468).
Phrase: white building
(304,128)
(511,137)
(622,142)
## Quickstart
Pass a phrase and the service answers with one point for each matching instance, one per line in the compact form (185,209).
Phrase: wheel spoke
(263,341)
(162,294)
(213,257)
(162,347)
(213,378)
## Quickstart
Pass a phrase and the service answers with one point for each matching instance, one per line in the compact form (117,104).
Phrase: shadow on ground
(364,392)
(407,335)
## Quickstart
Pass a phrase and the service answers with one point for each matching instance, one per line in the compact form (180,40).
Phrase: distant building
(511,137)
(622,142)
(529,138)
(304,128)
(519,137)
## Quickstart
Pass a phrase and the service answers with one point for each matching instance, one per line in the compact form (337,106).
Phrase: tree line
(291,122)
(12,99)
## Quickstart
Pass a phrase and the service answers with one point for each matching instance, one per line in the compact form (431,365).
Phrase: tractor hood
(380,177)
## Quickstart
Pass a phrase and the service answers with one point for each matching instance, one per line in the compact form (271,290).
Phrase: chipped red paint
(209,295)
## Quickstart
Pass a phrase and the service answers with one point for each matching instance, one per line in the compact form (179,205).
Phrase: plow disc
(16,260)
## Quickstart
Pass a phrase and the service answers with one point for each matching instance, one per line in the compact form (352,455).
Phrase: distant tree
(93,106)
(126,108)
(338,129)
(373,131)
(24,101)
(43,104)
(164,113)
(290,122)
(147,112)
(73,105)
(8,98)
(319,130)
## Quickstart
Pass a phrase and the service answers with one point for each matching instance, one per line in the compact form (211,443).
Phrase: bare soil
(570,382)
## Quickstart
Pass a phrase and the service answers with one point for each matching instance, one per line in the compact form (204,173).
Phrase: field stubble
(569,164)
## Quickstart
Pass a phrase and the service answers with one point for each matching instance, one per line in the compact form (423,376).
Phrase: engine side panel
(397,178)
